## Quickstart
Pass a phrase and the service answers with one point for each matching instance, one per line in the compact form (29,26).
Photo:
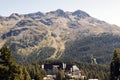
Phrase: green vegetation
(115,65)
(40,54)
(9,70)
(60,75)
(35,71)
(98,71)
(80,50)
(100,47)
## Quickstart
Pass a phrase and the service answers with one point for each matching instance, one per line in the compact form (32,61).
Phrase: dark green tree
(5,62)
(60,75)
(9,69)
(115,65)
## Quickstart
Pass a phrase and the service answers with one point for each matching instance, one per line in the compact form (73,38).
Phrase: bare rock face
(28,33)
(80,14)
(14,16)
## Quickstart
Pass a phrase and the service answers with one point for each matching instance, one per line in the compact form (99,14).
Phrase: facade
(69,69)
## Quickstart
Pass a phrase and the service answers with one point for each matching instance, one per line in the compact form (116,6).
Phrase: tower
(64,66)
(93,60)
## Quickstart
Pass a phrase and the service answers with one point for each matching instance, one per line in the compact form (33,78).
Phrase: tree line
(10,70)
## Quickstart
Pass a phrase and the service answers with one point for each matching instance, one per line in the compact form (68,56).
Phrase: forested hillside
(101,47)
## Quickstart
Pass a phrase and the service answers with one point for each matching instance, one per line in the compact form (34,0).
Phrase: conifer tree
(9,69)
(115,65)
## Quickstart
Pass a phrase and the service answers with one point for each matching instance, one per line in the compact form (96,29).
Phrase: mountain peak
(58,13)
(80,14)
(36,15)
(39,13)
(14,16)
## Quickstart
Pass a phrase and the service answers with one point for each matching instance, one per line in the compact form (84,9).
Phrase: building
(69,69)
(50,66)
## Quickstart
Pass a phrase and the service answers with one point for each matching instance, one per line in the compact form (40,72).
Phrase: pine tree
(115,65)
(60,75)
(9,69)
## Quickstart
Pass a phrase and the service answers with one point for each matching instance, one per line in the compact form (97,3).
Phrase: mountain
(43,36)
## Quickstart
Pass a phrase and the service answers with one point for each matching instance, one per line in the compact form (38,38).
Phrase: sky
(106,10)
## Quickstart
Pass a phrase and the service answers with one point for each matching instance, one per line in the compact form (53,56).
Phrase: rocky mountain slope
(46,35)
